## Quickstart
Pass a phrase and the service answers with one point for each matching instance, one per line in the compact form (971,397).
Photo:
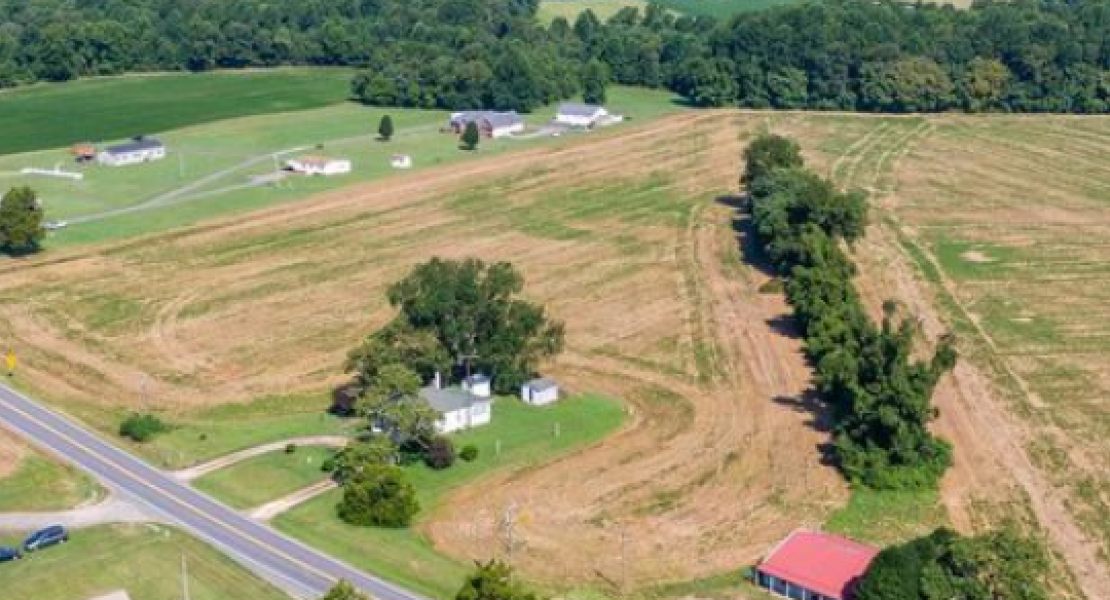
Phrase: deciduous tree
(21,229)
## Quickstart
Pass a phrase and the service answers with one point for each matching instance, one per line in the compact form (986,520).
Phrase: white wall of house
(480,387)
(539,397)
(480,413)
(131,158)
(499,132)
(331,167)
(581,120)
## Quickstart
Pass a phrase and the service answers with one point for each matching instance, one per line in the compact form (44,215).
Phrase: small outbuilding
(319,165)
(83,152)
(400,161)
(479,385)
(540,391)
(139,150)
(812,565)
(491,124)
(574,114)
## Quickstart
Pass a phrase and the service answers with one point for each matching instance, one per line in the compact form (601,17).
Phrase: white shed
(401,161)
(478,384)
(319,165)
(574,114)
(540,391)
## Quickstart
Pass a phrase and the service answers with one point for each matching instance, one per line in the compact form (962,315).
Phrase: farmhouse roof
(445,400)
(576,109)
(541,384)
(83,149)
(820,562)
(496,119)
(134,146)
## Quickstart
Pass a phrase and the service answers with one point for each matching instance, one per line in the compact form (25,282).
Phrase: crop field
(631,237)
(144,561)
(53,115)
(212,169)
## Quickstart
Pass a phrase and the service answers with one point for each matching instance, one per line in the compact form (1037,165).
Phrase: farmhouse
(319,165)
(460,408)
(490,123)
(811,565)
(139,150)
(574,114)
(540,391)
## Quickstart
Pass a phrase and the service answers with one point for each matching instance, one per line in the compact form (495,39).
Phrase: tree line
(1022,56)
(878,393)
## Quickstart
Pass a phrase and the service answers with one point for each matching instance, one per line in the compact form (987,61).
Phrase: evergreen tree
(471,136)
(21,215)
(595,77)
(385,128)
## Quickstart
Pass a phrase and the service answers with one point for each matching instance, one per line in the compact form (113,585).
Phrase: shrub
(440,453)
(378,496)
(291,449)
(142,427)
(469,452)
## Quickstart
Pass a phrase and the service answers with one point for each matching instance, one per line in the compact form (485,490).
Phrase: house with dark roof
(538,392)
(574,114)
(812,565)
(491,124)
(138,150)
(470,405)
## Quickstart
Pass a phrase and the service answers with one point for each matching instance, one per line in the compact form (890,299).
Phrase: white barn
(574,114)
(540,391)
(140,150)
(458,408)
(319,165)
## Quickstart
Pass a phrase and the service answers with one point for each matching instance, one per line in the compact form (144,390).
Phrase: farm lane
(198,471)
(290,565)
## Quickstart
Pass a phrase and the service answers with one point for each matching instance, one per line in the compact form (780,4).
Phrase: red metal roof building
(810,565)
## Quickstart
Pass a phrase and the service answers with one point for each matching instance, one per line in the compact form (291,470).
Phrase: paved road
(292,566)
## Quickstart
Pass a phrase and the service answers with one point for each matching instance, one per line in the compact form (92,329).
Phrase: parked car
(7,554)
(46,537)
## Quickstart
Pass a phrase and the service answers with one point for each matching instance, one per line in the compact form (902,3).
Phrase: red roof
(820,562)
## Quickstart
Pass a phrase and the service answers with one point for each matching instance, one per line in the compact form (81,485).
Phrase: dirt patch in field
(977,257)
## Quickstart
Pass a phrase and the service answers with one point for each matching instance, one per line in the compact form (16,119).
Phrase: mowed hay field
(628,235)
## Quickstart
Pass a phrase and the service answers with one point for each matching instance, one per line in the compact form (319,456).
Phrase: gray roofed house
(458,408)
(135,146)
(577,114)
(490,123)
(139,150)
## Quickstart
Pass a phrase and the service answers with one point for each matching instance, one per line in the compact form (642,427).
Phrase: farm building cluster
(470,404)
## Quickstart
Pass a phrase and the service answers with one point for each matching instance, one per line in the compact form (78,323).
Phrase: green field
(406,557)
(41,484)
(143,560)
(262,479)
(722,9)
(54,115)
(570,9)
(225,148)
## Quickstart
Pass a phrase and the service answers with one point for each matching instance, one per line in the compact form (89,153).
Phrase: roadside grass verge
(106,108)
(41,484)
(525,436)
(265,478)
(146,561)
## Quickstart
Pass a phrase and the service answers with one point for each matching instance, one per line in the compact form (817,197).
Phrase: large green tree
(21,215)
(398,343)
(378,496)
(392,404)
(385,128)
(493,580)
(767,153)
(475,312)
(470,136)
(595,76)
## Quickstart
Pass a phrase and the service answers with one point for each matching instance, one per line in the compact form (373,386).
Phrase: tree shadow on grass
(751,251)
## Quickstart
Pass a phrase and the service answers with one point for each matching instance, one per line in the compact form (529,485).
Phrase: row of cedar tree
(1021,55)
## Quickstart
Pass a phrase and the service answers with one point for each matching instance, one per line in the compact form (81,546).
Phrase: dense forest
(1025,55)
(879,395)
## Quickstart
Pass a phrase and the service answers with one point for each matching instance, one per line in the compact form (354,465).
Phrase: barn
(139,150)
(319,165)
(573,114)
(812,565)
(540,391)
(491,124)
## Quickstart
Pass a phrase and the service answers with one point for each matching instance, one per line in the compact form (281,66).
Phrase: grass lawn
(406,557)
(143,560)
(52,115)
(888,517)
(41,484)
(214,432)
(262,479)
(220,150)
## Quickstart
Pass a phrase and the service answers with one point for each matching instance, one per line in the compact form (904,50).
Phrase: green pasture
(42,484)
(265,478)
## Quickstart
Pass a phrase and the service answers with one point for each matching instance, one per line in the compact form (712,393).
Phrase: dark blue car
(43,538)
(7,554)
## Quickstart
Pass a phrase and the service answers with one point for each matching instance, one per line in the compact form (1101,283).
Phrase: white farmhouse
(491,124)
(458,408)
(319,165)
(573,114)
(540,391)
(134,152)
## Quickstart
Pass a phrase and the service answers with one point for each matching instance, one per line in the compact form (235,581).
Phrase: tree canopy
(878,393)
(344,591)
(493,580)
(378,496)
(21,229)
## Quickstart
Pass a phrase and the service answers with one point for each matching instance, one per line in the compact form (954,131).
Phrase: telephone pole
(184,578)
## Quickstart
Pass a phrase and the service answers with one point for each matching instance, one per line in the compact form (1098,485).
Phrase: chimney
(437,381)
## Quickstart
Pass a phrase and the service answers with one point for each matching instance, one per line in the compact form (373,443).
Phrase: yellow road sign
(12,362)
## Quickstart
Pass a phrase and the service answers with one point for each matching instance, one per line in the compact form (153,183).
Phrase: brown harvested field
(622,234)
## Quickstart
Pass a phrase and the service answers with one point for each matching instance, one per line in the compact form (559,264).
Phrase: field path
(198,471)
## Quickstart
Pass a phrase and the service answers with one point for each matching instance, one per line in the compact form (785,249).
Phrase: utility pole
(508,525)
(184,578)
